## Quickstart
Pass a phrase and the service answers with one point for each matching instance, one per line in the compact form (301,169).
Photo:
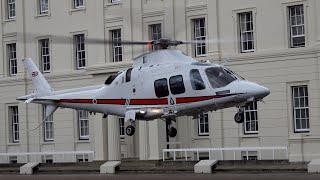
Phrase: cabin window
(128,75)
(176,85)
(196,80)
(161,87)
(218,77)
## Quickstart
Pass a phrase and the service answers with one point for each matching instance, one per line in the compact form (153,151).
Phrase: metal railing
(212,152)
(40,156)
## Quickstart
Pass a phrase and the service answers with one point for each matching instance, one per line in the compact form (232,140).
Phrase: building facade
(274,43)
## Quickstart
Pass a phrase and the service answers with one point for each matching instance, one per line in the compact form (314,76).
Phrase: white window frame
(78,4)
(43,6)
(245,32)
(12,59)
(80,50)
(296,25)
(11,9)
(122,127)
(253,122)
(197,36)
(203,119)
(117,50)
(83,124)
(45,59)
(14,122)
(155,33)
(48,126)
(302,106)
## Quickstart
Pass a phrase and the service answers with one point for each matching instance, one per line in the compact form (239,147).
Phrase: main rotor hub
(164,43)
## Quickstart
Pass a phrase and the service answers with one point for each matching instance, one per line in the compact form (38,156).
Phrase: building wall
(273,64)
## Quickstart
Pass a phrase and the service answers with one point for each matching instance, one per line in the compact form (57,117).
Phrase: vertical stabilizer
(40,84)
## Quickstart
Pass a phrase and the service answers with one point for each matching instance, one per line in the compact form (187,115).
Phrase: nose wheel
(239,116)
(130,130)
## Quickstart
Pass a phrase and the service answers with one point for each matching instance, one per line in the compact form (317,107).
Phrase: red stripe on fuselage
(162,101)
(193,99)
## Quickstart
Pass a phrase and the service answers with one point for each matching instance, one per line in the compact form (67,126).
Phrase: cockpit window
(219,77)
(128,75)
(234,74)
(196,80)
(110,79)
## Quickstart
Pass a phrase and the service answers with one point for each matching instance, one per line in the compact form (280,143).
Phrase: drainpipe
(220,60)
(25,74)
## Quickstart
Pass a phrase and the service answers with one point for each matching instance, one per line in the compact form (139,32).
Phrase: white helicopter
(161,84)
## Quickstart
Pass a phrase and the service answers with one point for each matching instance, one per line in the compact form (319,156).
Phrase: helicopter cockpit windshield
(219,77)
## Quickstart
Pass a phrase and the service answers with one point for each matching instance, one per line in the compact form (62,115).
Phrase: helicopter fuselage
(162,88)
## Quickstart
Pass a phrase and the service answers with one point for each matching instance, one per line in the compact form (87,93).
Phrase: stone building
(271,42)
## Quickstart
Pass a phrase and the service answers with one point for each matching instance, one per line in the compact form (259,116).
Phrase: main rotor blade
(64,39)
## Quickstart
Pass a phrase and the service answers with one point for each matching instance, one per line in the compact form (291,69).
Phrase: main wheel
(239,117)
(172,132)
(130,130)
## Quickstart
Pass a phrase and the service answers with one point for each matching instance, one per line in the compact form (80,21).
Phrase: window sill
(10,20)
(83,141)
(47,143)
(14,144)
(246,52)
(113,4)
(43,15)
(79,9)
(250,135)
(203,137)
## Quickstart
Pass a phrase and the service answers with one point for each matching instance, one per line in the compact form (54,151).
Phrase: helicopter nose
(260,92)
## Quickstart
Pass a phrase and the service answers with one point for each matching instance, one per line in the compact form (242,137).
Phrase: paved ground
(223,176)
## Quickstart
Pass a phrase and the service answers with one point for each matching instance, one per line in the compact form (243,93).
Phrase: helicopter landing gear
(239,116)
(171,131)
(130,130)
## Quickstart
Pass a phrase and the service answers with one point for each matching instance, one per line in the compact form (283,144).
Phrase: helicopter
(162,84)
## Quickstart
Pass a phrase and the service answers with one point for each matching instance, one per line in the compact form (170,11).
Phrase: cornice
(196,8)
(153,14)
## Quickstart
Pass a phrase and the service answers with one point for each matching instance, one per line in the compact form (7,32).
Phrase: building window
(11,9)
(80,51)
(203,124)
(114,1)
(47,159)
(77,4)
(116,46)
(121,123)
(300,103)
(199,31)
(12,58)
(251,118)
(13,159)
(44,55)
(246,32)
(82,158)
(83,121)
(48,128)
(43,6)
(155,33)
(14,123)
(296,25)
